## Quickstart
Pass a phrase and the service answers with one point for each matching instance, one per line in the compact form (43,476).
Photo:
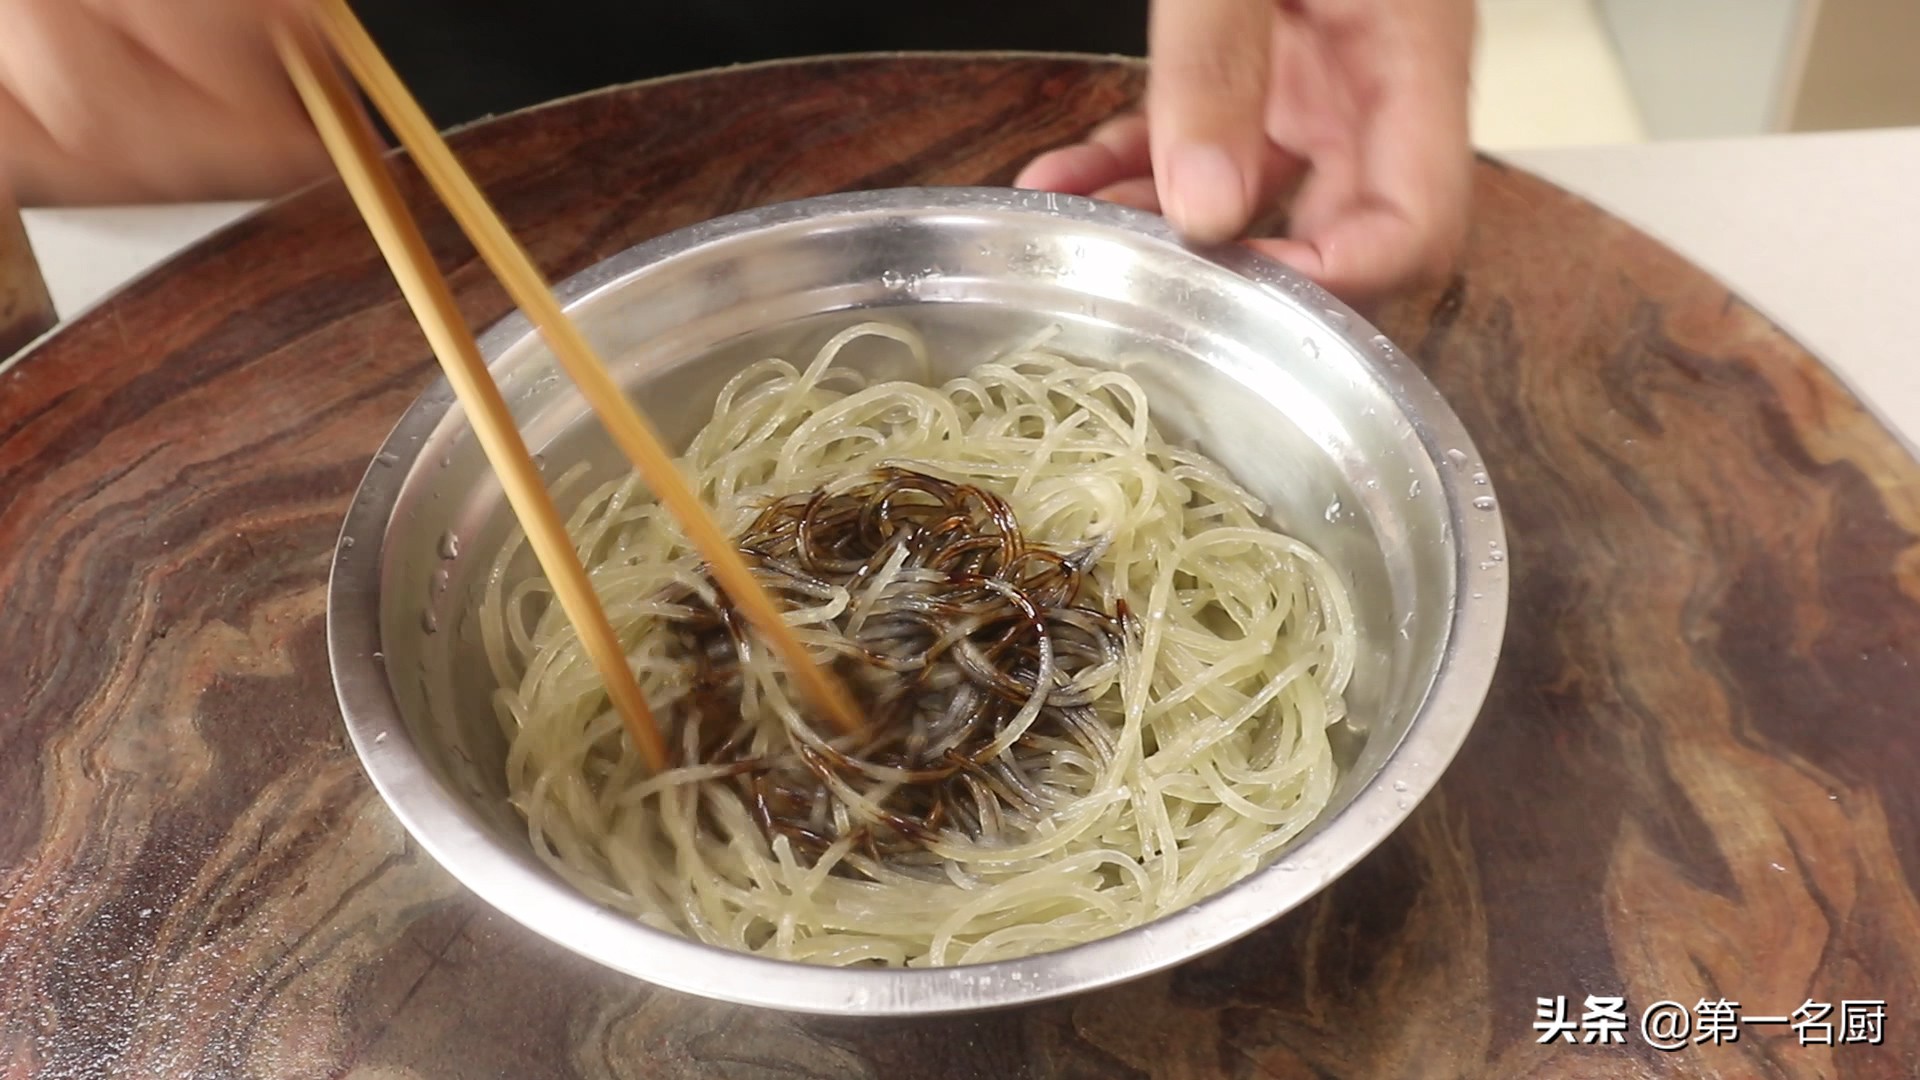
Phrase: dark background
(470,58)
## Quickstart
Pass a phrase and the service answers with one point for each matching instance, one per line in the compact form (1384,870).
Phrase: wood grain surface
(26,310)
(1695,777)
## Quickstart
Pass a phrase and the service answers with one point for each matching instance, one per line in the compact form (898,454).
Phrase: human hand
(148,100)
(1351,115)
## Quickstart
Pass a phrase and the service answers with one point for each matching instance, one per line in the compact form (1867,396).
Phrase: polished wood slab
(26,311)
(1696,775)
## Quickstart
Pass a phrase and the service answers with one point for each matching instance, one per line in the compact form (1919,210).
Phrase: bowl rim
(448,829)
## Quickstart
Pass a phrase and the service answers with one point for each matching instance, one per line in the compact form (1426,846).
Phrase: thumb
(1206,107)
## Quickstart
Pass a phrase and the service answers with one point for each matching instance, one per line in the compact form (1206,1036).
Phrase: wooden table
(1695,777)
(26,311)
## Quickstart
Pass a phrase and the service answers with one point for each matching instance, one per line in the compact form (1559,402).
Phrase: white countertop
(1819,232)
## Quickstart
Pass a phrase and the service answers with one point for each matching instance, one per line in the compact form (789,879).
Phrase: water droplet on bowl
(346,543)
(893,279)
(449,546)
(1484,502)
(384,459)
(1480,479)
(1399,785)
(380,737)
(1312,347)
(440,580)
(1457,457)
(1333,510)
(430,622)
(1413,490)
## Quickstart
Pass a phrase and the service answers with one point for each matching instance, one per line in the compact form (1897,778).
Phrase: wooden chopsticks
(348,136)
(351,142)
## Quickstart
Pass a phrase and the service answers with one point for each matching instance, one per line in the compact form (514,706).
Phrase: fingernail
(1206,197)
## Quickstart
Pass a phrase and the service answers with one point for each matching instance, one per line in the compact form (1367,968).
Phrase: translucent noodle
(1211,750)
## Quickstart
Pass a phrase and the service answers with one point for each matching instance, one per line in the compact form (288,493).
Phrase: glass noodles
(1097,681)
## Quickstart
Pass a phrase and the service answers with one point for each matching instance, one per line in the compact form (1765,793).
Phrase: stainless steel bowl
(1303,402)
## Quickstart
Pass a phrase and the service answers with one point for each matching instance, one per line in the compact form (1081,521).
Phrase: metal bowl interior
(1349,445)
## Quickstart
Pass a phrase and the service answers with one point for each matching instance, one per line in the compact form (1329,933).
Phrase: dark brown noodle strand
(975,622)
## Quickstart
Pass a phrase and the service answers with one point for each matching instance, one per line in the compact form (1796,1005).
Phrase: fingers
(1113,165)
(1388,207)
(1208,164)
(1138,193)
(71,73)
(1365,102)
(1206,101)
(1115,151)
(219,46)
(1359,258)
(1363,239)
(1418,155)
(100,110)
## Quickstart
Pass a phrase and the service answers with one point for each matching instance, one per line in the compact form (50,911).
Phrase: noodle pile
(1097,684)
(976,665)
